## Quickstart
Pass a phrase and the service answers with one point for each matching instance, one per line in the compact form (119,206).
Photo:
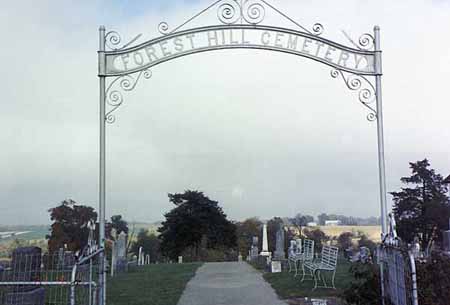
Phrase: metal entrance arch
(239,26)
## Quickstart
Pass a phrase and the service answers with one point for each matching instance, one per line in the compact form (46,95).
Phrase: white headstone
(121,245)
(180,259)
(141,253)
(265,244)
(275,267)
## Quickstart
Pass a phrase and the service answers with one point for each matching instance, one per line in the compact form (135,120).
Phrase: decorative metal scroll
(240,27)
(115,90)
(366,90)
(240,12)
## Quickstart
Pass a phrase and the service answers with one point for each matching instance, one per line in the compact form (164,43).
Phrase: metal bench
(306,255)
(327,263)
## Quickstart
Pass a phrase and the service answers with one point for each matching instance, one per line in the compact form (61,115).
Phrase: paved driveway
(228,284)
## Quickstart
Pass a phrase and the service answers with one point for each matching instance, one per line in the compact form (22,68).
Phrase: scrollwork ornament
(253,11)
(366,90)
(317,29)
(229,12)
(366,42)
(113,40)
(163,28)
(114,93)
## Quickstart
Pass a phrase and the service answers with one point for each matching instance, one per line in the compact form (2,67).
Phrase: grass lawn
(287,287)
(160,284)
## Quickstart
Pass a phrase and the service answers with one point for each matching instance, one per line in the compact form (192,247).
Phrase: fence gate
(32,278)
(399,276)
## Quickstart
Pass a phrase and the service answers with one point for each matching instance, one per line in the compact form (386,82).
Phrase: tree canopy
(195,218)
(245,232)
(117,223)
(70,226)
(422,208)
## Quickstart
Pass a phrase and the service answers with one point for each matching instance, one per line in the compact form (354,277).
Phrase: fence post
(414,278)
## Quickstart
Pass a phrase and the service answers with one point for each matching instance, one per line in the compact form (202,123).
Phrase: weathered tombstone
(121,252)
(279,245)
(26,267)
(26,264)
(275,267)
(121,243)
(180,259)
(240,257)
(254,251)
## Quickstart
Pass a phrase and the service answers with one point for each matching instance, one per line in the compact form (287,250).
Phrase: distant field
(32,233)
(372,232)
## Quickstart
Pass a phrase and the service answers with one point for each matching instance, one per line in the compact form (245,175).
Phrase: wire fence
(32,278)
(399,284)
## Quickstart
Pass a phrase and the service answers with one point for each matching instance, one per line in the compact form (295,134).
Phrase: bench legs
(318,275)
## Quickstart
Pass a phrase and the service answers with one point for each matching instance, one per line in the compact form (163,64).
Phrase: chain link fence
(33,278)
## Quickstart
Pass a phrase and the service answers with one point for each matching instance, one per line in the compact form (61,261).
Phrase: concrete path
(228,284)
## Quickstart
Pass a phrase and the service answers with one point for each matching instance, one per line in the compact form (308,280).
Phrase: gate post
(102,166)
(380,132)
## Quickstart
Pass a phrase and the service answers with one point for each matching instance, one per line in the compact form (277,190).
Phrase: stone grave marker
(279,245)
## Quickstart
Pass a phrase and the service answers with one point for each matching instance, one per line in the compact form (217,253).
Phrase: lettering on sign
(189,42)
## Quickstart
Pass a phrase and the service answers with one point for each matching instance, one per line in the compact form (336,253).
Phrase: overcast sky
(266,134)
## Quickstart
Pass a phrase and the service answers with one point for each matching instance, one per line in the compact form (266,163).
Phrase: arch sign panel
(204,39)
(239,25)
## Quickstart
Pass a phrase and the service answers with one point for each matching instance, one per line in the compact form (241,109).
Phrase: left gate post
(102,166)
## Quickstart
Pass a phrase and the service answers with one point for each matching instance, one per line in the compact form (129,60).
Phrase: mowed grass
(160,284)
(287,286)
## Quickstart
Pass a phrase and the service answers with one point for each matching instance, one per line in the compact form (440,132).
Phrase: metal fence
(49,279)
(399,285)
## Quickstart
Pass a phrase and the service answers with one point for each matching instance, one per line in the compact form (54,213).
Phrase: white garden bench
(327,263)
(304,256)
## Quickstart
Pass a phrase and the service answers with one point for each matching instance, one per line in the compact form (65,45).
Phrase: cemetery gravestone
(275,267)
(265,244)
(26,264)
(254,251)
(120,247)
(26,267)
(279,252)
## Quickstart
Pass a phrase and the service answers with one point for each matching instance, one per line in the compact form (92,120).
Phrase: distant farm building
(332,223)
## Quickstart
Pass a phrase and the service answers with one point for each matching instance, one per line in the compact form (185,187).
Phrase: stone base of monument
(121,265)
(261,262)
(33,297)
(279,255)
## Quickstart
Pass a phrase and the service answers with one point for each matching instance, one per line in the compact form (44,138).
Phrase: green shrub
(433,280)
(365,288)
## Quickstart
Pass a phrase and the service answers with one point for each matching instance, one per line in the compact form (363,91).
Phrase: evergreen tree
(194,218)
(421,209)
